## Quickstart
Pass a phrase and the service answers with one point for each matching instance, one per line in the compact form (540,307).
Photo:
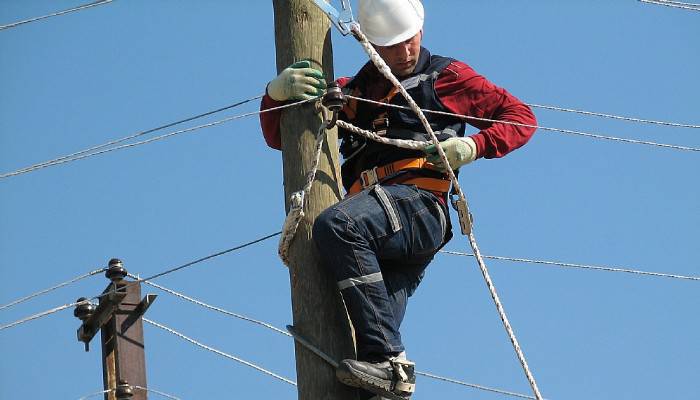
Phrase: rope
(298,200)
(219,352)
(612,116)
(580,266)
(572,132)
(42,314)
(86,154)
(52,288)
(674,4)
(138,134)
(386,71)
(213,308)
(84,6)
(402,143)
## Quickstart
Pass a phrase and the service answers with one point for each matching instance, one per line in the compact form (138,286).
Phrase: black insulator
(85,310)
(116,271)
(124,391)
(334,99)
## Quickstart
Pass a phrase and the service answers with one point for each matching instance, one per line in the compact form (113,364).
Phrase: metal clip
(343,19)
(465,217)
(369,177)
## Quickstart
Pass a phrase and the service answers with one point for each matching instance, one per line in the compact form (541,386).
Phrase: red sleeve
(465,92)
(270,121)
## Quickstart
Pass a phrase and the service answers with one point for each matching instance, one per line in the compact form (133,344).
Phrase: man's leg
(393,231)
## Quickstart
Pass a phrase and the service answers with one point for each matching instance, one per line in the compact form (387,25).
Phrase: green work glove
(297,82)
(459,151)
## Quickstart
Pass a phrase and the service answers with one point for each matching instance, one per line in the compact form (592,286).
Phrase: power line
(52,288)
(158,392)
(674,4)
(572,132)
(612,116)
(474,386)
(70,10)
(69,305)
(219,352)
(85,154)
(580,266)
(135,135)
(42,314)
(214,308)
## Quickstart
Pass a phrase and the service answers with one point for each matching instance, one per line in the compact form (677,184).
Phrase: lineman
(379,240)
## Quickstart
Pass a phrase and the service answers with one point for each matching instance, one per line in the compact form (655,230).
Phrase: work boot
(394,378)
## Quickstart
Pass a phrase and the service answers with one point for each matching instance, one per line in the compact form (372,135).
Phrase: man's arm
(465,92)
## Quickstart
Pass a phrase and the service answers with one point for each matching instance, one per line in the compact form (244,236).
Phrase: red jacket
(462,91)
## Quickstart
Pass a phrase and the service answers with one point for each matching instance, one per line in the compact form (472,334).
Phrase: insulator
(116,271)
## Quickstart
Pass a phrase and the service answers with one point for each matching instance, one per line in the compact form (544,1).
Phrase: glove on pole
(297,82)
(459,151)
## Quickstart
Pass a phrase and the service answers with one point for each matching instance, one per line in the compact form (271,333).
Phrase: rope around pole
(297,201)
(386,71)
(219,352)
(544,128)
(84,6)
(52,288)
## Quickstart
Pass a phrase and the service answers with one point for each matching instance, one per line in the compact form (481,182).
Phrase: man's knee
(327,228)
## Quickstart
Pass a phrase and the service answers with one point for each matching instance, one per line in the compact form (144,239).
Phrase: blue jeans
(378,243)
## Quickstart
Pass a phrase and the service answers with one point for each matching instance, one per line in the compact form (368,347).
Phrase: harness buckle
(369,177)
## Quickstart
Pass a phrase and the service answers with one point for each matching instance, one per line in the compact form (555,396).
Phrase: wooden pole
(302,32)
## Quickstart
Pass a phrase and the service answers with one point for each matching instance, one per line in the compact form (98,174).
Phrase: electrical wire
(674,4)
(69,305)
(544,128)
(70,10)
(213,308)
(135,135)
(219,352)
(474,386)
(612,116)
(66,159)
(158,392)
(52,288)
(580,266)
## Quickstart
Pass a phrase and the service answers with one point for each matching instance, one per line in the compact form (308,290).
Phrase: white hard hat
(387,22)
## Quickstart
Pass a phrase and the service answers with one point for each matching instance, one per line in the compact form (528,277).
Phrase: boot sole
(352,377)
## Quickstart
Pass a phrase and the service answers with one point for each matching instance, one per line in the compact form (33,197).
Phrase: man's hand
(297,82)
(459,151)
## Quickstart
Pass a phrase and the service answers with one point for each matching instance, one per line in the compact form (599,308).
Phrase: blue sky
(82,79)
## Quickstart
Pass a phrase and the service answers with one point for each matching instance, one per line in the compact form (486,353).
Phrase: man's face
(402,57)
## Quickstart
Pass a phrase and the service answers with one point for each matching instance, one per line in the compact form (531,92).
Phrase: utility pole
(118,315)
(302,33)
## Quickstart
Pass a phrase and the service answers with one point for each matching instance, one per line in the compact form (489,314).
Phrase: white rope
(402,143)
(612,116)
(579,266)
(219,352)
(297,201)
(386,71)
(26,21)
(86,154)
(569,131)
(52,288)
(213,308)
(685,6)
(42,314)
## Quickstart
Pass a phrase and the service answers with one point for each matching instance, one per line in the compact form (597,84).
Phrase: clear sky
(78,80)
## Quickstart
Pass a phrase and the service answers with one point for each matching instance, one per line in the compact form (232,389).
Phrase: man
(381,237)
